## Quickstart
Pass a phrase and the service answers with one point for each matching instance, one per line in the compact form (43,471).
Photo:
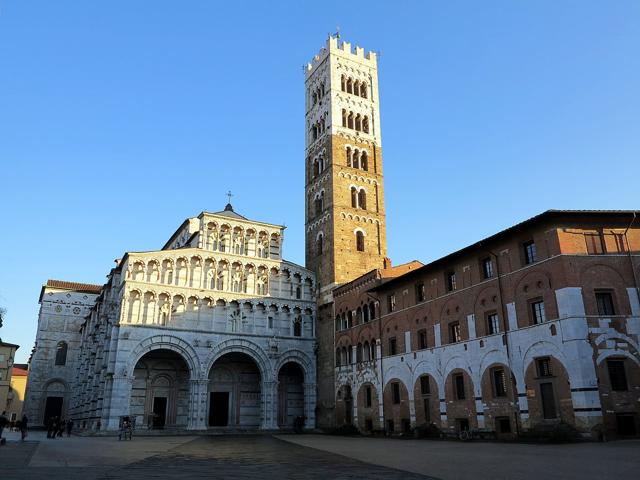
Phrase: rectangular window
(391,300)
(487,268)
(595,245)
(499,382)
(544,367)
(420,292)
(422,339)
(455,334)
(503,425)
(537,312)
(395,388)
(530,252)
(427,410)
(367,401)
(424,385)
(493,325)
(548,401)
(270,320)
(458,386)
(451,281)
(393,346)
(604,300)
(617,375)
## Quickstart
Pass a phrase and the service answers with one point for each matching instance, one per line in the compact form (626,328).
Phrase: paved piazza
(308,456)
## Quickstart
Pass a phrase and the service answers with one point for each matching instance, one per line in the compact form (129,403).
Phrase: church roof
(229,212)
(79,287)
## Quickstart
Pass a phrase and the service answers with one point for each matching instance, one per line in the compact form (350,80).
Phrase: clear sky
(120,119)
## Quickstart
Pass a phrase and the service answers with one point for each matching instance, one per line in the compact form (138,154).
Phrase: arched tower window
(348,156)
(61,353)
(319,241)
(365,124)
(363,90)
(362,199)
(359,241)
(343,83)
(356,159)
(297,327)
(349,86)
(358,122)
(364,161)
(356,87)
(344,118)
(354,197)
(350,120)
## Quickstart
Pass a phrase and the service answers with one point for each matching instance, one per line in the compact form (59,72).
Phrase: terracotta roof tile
(80,287)
(18,372)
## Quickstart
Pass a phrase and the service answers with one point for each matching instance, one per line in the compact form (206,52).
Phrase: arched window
(317,204)
(356,87)
(338,322)
(297,327)
(362,199)
(61,354)
(363,90)
(338,363)
(343,83)
(365,124)
(354,197)
(298,293)
(372,311)
(358,122)
(359,353)
(364,163)
(348,156)
(356,159)
(349,319)
(344,118)
(319,240)
(359,241)
(366,352)
(359,315)
(365,313)
(316,168)
(349,86)
(350,120)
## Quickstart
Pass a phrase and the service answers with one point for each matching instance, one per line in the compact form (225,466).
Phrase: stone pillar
(198,389)
(412,405)
(269,392)
(479,409)
(310,404)
(120,398)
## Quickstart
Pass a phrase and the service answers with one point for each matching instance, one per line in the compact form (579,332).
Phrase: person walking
(23,427)
(61,426)
(3,423)
(69,427)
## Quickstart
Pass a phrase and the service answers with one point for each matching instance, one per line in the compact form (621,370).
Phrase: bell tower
(345,216)
(344,190)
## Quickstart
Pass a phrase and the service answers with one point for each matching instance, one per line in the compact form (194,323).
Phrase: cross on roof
(229,194)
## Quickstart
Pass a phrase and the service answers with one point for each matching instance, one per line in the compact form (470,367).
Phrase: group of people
(57,426)
(20,425)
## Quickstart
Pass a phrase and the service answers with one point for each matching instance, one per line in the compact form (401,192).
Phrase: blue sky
(118,120)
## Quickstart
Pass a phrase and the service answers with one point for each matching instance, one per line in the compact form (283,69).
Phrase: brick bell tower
(344,192)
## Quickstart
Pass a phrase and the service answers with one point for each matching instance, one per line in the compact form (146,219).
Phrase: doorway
(52,408)
(159,412)
(626,424)
(219,409)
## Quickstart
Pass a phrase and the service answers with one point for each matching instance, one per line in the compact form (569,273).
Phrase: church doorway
(160,390)
(219,409)
(52,408)
(290,394)
(234,391)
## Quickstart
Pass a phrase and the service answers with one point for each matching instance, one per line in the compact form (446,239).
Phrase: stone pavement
(238,456)
(477,460)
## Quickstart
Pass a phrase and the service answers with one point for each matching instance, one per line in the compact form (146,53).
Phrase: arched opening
(359,241)
(460,400)
(350,86)
(363,90)
(319,244)
(362,199)
(364,163)
(368,409)
(61,353)
(234,392)
(427,401)
(396,407)
(354,197)
(290,394)
(344,406)
(350,120)
(160,390)
(344,118)
(54,400)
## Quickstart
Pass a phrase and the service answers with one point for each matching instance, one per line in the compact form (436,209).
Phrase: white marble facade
(213,330)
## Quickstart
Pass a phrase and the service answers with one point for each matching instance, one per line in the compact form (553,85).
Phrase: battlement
(342,49)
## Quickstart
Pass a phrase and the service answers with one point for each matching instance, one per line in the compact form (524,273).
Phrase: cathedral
(532,329)
(213,330)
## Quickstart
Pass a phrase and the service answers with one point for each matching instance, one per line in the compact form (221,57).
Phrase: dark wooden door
(159,412)
(219,409)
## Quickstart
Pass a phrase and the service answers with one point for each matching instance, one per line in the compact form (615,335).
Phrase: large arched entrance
(234,392)
(160,390)
(290,394)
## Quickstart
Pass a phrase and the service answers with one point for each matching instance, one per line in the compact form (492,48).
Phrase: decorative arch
(165,342)
(298,357)
(240,345)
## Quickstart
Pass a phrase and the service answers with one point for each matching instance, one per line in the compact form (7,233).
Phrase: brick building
(535,325)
